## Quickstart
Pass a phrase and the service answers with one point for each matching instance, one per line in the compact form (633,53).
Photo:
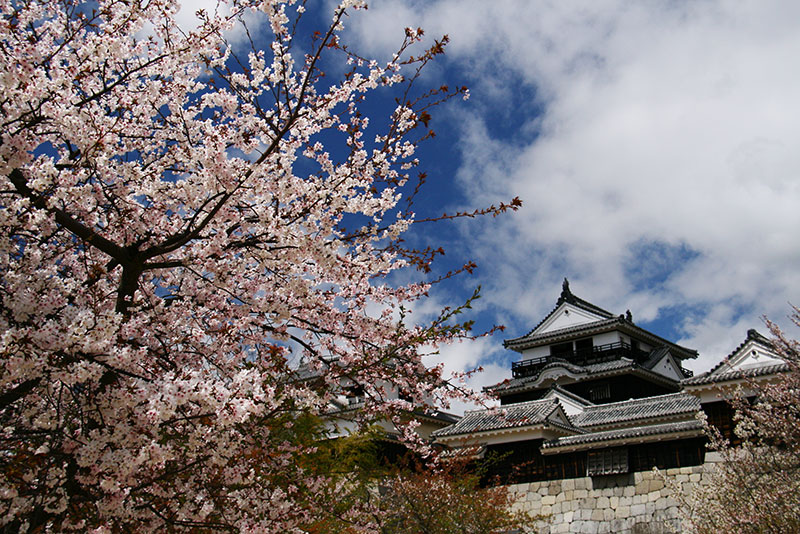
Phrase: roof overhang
(633,436)
(578,376)
(607,325)
(505,435)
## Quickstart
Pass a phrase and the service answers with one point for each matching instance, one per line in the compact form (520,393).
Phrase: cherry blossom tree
(756,486)
(446,498)
(181,217)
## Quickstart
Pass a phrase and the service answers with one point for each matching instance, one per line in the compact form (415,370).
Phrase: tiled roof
(655,357)
(736,374)
(511,416)
(594,325)
(637,409)
(570,395)
(619,323)
(593,369)
(437,415)
(752,335)
(590,369)
(694,426)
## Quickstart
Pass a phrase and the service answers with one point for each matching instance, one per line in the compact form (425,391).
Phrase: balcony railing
(598,354)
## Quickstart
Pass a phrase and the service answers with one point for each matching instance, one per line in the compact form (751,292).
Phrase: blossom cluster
(178,221)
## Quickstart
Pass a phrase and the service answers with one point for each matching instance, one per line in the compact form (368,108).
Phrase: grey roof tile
(510,416)
(591,369)
(637,409)
(705,378)
(619,323)
(655,357)
(735,374)
(693,426)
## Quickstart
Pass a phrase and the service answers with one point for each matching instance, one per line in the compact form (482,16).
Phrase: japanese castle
(593,394)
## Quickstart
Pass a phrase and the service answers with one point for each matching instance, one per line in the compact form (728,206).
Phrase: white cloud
(469,355)
(670,123)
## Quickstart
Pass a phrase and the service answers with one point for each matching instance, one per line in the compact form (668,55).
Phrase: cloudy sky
(655,147)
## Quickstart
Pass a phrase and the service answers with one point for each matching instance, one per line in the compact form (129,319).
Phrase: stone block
(613,502)
(602,502)
(557,507)
(623,512)
(653,496)
(656,484)
(694,477)
(637,510)
(619,525)
(608,515)
(628,491)
(673,512)
(568,484)
(580,494)
(569,495)
(548,499)
(546,509)
(568,517)
(580,483)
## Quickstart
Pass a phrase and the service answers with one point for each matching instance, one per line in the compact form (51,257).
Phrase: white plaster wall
(535,352)
(606,338)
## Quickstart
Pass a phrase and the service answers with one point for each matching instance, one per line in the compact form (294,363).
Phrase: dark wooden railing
(598,354)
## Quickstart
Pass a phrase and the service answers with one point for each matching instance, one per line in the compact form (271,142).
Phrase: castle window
(607,462)
(561,350)
(600,392)
(583,348)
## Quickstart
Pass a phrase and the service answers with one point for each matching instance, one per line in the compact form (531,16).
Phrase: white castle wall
(636,503)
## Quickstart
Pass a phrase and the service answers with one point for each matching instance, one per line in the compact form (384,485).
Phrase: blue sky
(654,144)
(655,148)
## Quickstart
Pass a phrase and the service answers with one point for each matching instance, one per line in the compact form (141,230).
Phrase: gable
(667,366)
(559,417)
(567,315)
(751,355)
(569,402)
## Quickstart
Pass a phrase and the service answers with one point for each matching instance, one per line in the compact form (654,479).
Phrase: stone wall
(635,503)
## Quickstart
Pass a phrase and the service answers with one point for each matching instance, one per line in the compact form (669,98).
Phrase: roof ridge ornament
(566,294)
